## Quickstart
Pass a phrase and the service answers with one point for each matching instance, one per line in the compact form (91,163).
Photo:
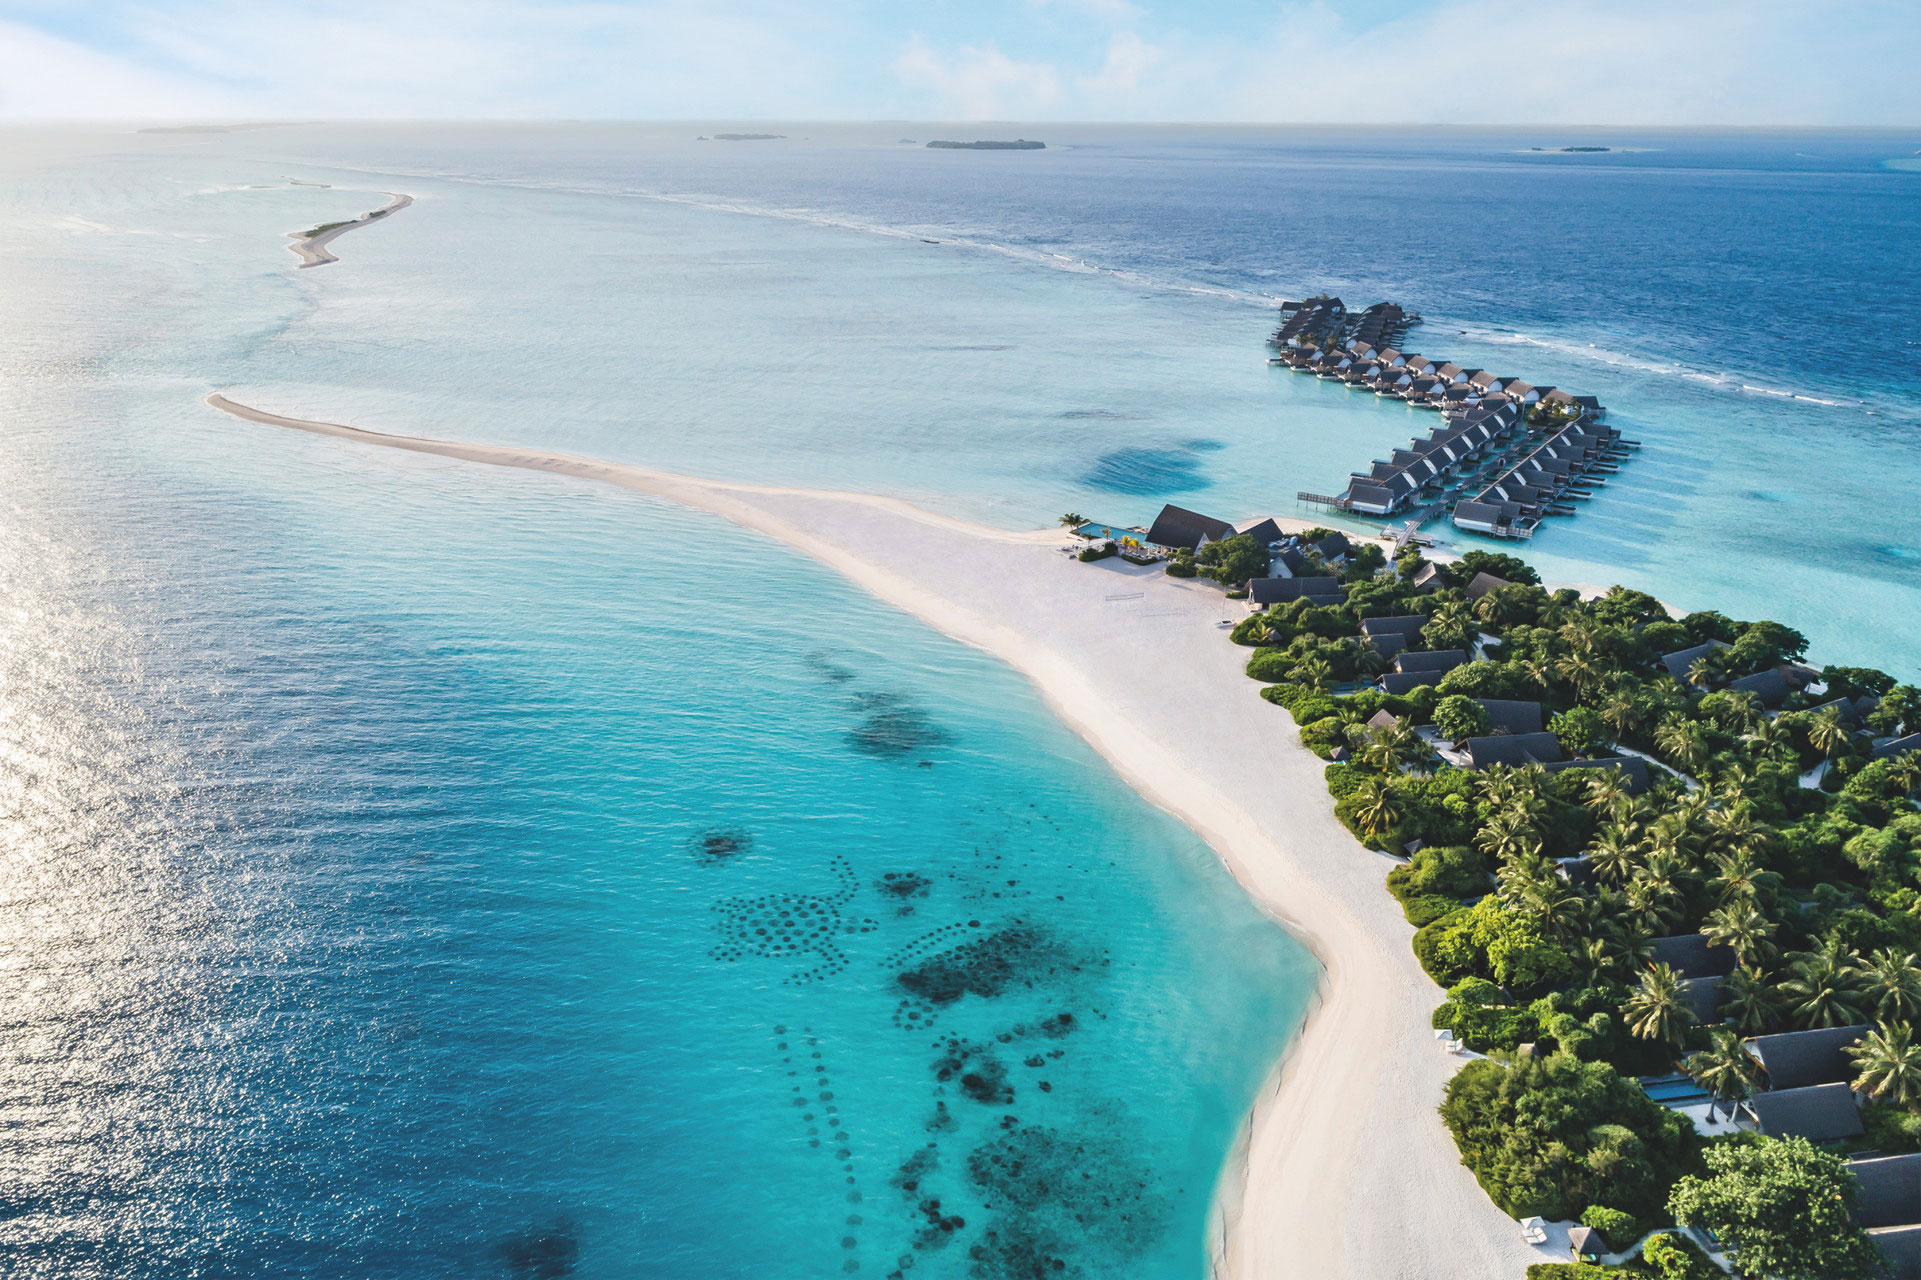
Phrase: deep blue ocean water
(415,870)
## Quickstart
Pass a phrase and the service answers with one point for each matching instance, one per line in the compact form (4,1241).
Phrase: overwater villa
(1547,449)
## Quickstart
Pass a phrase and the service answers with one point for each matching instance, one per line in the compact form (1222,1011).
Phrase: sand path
(1346,1171)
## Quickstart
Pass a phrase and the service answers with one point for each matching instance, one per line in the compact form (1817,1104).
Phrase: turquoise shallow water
(397,852)
(414,870)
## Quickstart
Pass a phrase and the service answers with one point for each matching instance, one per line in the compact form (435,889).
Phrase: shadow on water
(1151,471)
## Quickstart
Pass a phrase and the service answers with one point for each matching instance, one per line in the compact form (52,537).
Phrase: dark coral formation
(892,726)
(781,925)
(718,845)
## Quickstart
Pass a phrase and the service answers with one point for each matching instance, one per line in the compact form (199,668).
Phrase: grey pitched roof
(1796,1058)
(1179,527)
(1399,682)
(1679,661)
(1513,749)
(1900,746)
(1431,660)
(1819,1113)
(1484,583)
(1383,719)
(1281,590)
(1264,531)
(1427,577)
(1586,1241)
(1333,546)
(1406,624)
(1508,716)
(1388,645)
(1771,687)
(1293,559)
(1887,1191)
(1703,996)
(1901,1247)
(1691,956)
(1633,768)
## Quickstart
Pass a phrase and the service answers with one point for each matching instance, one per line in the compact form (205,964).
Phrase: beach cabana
(1819,1113)
(1332,547)
(1179,529)
(1586,1244)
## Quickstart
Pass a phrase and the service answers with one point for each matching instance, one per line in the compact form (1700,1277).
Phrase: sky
(1628,62)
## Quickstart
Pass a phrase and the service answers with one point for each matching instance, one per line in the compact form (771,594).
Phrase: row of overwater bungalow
(1487,414)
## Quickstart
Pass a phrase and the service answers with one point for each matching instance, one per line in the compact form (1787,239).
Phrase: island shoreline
(313,251)
(1341,1167)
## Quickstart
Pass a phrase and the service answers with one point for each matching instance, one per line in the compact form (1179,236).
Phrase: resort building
(1517,750)
(1887,1204)
(1505,716)
(1178,529)
(1819,1113)
(1322,592)
(1690,955)
(1681,661)
(1795,1059)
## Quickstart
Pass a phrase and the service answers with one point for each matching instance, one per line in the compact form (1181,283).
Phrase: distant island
(750,137)
(1574,148)
(1018,144)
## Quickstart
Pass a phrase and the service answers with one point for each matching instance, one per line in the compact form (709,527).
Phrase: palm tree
(1828,733)
(1657,1009)
(1374,747)
(1887,1063)
(1378,808)
(1621,714)
(1615,853)
(1451,626)
(1767,738)
(1905,771)
(1740,928)
(1367,659)
(1582,670)
(1748,1002)
(1314,672)
(1737,877)
(1530,885)
(1073,519)
(1893,982)
(1708,669)
(1412,749)
(1679,739)
(1740,710)
(1724,1068)
(1823,988)
(1606,788)
(1507,835)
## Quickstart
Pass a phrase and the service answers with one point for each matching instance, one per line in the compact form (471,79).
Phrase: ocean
(413,870)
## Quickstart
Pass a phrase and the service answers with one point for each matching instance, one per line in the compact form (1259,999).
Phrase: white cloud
(1129,60)
(43,76)
(979,82)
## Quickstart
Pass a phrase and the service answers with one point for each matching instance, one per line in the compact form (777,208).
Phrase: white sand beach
(313,251)
(1347,1170)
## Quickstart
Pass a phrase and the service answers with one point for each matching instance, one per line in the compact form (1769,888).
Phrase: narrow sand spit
(1345,1170)
(313,250)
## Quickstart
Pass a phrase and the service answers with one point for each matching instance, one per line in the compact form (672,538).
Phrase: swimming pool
(1104,532)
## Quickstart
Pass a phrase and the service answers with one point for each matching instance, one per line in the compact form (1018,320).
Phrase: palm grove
(1813,889)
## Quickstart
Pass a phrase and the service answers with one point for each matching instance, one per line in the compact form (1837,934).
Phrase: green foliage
(1667,637)
(1503,680)
(1501,565)
(1622,607)
(1425,909)
(1580,731)
(1490,940)
(1672,1256)
(1180,567)
(1785,1206)
(1482,1017)
(1366,560)
(1271,665)
(1098,551)
(1568,1271)
(1616,1227)
(1234,560)
(1856,682)
(1708,625)
(1894,1130)
(1452,871)
(1551,1136)
(1459,717)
